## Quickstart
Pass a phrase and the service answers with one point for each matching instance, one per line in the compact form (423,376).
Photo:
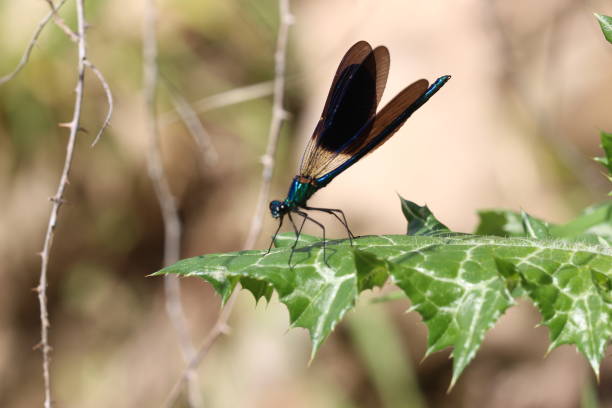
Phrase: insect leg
(342,220)
(280,224)
(307,217)
(298,232)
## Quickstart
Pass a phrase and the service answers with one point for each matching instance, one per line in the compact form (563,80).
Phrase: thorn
(37,346)
(57,200)
(67,125)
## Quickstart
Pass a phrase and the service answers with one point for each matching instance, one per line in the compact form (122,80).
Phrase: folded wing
(351,104)
(384,125)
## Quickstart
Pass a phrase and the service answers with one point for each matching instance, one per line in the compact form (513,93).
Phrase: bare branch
(59,21)
(172,224)
(109,99)
(220,327)
(278,114)
(26,55)
(57,202)
(194,126)
(220,100)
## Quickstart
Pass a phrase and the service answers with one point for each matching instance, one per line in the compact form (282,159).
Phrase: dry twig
(172,224)
(109,99)
(59,21)
(223,99)
(26,55)
(57,201)
(278,114)
(194,126)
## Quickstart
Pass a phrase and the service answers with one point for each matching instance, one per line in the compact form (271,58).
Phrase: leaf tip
(225,296)
(157,273)
(594,363)
(452,383)
(457,370)
(313,352)
(428,352)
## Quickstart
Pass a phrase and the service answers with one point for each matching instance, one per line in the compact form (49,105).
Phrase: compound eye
(275,208)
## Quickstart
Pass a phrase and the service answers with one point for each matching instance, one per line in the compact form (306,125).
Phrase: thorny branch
(74,37)
(57,201)
(278,115)
(172,224)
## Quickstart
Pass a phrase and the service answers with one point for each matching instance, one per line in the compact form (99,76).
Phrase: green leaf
(316,293)
(420,219)
(454,284)
(259,288)
(459,284)
(605,22)
(387,297)
(533,227)
(503,223)
(571,290)
(593,225)
(287,240)
(371,271)
(510,273)
(606,145)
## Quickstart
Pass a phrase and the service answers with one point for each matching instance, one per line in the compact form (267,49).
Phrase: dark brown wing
(383,125)
(351,104)
(354,56)
(390,118)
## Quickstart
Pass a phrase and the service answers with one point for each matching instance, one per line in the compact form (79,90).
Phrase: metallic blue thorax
(301,190)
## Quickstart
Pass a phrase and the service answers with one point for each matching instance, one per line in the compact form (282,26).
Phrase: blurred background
(516,127)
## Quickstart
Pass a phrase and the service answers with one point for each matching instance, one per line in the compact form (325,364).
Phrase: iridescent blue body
(300,191)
